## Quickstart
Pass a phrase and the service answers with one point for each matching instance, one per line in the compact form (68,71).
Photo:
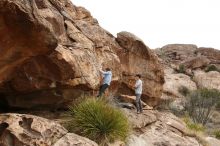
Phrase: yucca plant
(99,121)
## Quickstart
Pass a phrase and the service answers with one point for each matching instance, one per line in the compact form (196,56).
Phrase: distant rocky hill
(189,66)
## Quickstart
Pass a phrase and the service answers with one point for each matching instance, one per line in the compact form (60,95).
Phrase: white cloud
(160,22)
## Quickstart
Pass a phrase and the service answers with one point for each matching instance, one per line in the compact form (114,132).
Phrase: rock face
(71,139)
(173,82)
(28,130)
(196,62)
(158,129)
(171,132)
(210,80)
(189,55)
(176,53)
(211,53)
(51,53)
(137,58)
(213,141)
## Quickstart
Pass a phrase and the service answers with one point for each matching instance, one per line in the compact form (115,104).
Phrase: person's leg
(141,109)
(105,86)
(137,103)
(102,89)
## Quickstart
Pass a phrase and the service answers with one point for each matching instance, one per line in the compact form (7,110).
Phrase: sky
(160,22)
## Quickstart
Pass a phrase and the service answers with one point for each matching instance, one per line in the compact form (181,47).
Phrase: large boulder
(137,58)
(196,62)
(174,82)
(71,139)
(176,53)
(28,130)
(171,132)
(139,121)
(51,53)
(210,80)
(153,128)
(211,53)
(213,141)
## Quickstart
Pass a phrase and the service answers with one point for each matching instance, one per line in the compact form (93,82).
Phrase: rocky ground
(51,53)
(24,129)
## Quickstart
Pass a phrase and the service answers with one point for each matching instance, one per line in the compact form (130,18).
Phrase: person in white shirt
(107,78)
(138,92)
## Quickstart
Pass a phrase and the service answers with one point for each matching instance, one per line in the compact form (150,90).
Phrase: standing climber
(107,78)
(138,92)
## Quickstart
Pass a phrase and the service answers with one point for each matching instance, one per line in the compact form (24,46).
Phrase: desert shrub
(165,104)
(193,126)
(160,52)
(177,110)
(218,105)
(200,104)
(98,120)
(172,106)
(182,69)
(212,68)
(217,134)
(183,90)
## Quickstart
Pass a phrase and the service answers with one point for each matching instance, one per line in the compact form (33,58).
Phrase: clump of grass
(217,134)
(212,68)
(193,126)
(184,90)
(99,121)
(182,69)
(195,130)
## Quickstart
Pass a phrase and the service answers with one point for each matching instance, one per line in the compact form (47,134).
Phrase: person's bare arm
(101,71)
(104,72)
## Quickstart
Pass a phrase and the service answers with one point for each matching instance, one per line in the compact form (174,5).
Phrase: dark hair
(108,69)
(138,75)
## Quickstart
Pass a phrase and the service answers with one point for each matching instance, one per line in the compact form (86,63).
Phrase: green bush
(218,105)
(200,104)
(182,69)
(98,120)
(217,134)
(165,104)
(211,68)
(183,90)
(195,127)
